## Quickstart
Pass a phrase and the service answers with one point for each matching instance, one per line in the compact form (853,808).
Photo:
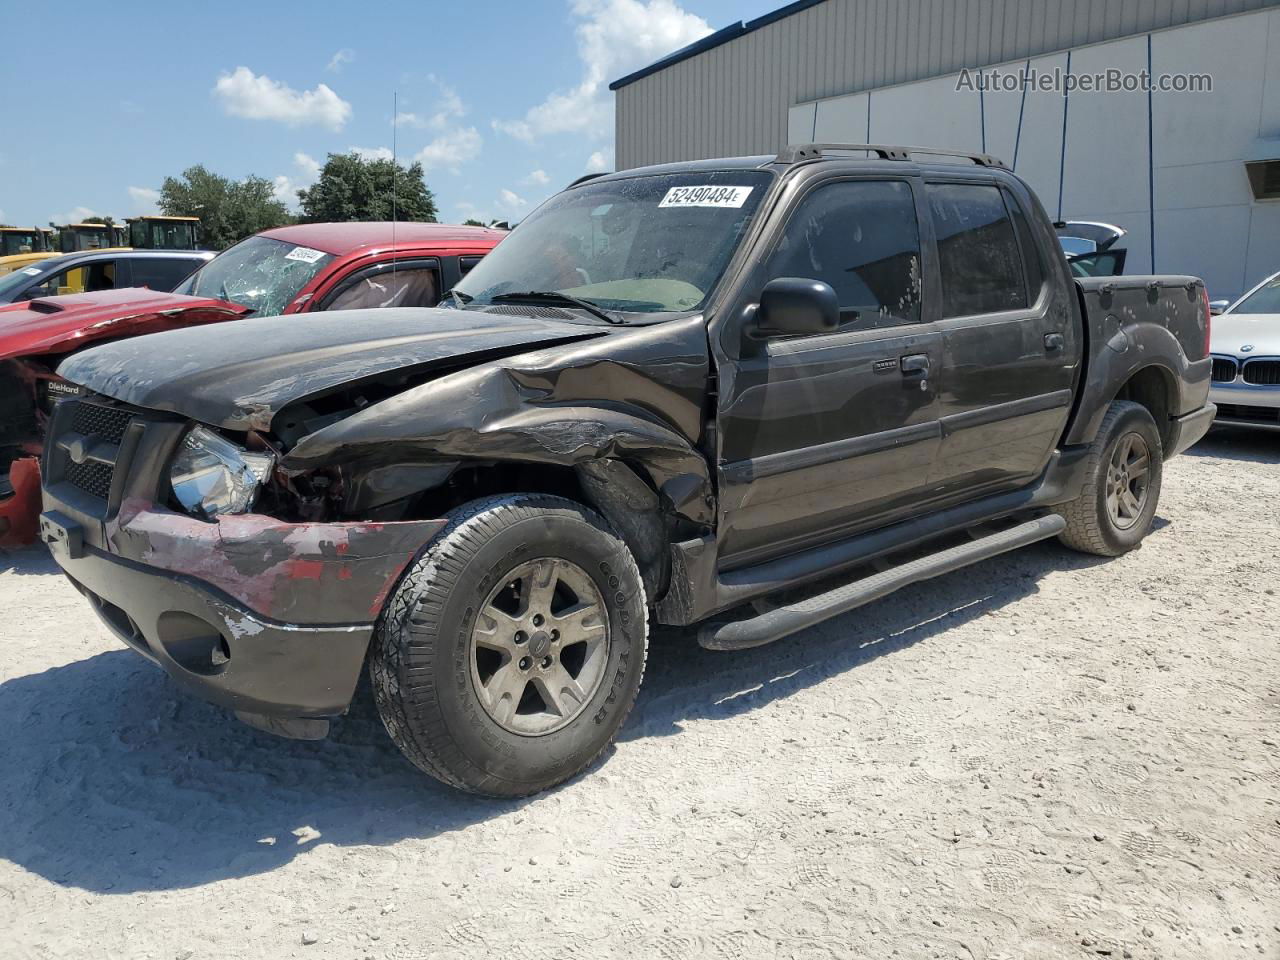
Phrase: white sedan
(1245,343)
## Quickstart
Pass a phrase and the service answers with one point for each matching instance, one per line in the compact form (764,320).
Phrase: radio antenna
(395,122)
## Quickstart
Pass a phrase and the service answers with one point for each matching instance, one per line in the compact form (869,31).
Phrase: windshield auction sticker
(708,196)
(306,254)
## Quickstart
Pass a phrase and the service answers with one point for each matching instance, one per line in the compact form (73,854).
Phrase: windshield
(1266,299)
(259,273)
(13,282)
(13,243)
(641,245)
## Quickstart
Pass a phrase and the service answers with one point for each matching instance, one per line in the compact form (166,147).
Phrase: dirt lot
(1043,756)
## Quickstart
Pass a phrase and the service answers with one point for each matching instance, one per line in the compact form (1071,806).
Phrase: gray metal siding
(733,99)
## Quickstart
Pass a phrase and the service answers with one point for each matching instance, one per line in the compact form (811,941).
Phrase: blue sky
(505,102)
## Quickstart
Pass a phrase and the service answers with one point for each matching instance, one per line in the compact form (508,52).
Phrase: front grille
(93,431)
(92,478)
(1264,372)
(1224,370)
(1239,411)
(95,420)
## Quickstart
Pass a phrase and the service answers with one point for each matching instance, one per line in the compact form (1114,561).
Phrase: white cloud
(245,94)
(451,150)
(614,38)
(285,188)
(145,200)
(538,178)
(371,153)
(600,161)
(343,56)
(511,202)
(74,215)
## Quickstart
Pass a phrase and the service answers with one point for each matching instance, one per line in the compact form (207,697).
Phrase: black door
(822,435)
(1010,345)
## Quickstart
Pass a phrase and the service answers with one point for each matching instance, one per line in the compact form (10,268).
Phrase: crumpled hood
(62,324)
(239,376)
(1233,331)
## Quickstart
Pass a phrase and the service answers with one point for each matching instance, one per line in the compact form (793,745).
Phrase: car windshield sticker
(708,196)
(32,271)
(305,254)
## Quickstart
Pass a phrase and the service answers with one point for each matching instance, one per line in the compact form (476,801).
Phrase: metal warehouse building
(1197,171)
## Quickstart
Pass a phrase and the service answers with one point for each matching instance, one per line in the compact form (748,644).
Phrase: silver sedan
(1245,343)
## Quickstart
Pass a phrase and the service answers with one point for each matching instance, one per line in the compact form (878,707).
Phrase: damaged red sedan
(297,269)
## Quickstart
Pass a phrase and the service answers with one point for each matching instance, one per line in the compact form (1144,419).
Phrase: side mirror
(1218,306)
(792,305)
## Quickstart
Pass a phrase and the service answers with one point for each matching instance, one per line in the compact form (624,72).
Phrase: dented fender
(636,395)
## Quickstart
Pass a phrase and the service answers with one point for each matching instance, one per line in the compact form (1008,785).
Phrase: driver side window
(861,237)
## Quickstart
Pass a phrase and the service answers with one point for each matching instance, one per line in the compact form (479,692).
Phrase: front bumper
(257,615)
(1247,404)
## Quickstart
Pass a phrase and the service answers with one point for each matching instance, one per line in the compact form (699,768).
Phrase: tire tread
(1084,530)
(408,628)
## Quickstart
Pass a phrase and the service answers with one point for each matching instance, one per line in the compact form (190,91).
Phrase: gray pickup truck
(669,394)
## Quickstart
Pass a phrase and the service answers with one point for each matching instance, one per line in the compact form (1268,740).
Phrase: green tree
(354,188)
(229,210)
(471,222)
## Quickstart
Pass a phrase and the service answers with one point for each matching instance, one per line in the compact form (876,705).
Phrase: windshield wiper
(555,296)
(460,298)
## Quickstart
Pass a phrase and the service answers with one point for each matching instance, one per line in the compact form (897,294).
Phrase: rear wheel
(1122,488)
(512,651)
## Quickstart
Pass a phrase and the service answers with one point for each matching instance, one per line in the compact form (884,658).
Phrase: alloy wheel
(539,646)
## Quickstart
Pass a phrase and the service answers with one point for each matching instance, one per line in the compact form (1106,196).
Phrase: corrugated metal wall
(733,99)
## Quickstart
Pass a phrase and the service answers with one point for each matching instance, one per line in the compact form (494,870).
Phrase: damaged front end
(269,617)
(248,540)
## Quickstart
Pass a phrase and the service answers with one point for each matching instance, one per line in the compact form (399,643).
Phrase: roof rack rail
(796,152)
(584,178)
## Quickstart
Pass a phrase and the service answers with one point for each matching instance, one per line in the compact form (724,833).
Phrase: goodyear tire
(1122,488)
(511,652)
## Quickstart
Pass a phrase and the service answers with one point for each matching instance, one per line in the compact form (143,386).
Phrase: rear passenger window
(160,273)
(861,237)
(980,264)
(1030,249)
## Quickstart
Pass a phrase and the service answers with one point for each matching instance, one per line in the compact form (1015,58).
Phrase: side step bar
(784,620)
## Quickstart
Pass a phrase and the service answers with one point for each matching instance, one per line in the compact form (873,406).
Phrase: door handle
(1054,342)
(916,363)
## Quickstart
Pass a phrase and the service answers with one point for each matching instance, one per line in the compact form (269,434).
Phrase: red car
(298,269)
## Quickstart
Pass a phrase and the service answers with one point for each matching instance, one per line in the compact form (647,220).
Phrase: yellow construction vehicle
(164,233)
(22,246)
(75,237)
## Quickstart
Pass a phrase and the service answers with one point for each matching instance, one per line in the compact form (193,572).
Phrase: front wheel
(1122,486)
(513,649)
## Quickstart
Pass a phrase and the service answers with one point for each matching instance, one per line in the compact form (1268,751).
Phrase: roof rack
(584,178)
(796,152)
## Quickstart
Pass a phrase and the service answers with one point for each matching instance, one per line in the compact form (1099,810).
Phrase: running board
(781,621)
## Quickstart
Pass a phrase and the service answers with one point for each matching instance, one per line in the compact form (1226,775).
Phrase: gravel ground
(1043,756)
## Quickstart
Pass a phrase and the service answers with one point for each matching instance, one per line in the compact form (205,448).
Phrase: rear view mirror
(793,306)
(1218,306)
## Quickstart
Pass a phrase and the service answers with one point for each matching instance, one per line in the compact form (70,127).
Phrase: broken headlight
(211,476)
